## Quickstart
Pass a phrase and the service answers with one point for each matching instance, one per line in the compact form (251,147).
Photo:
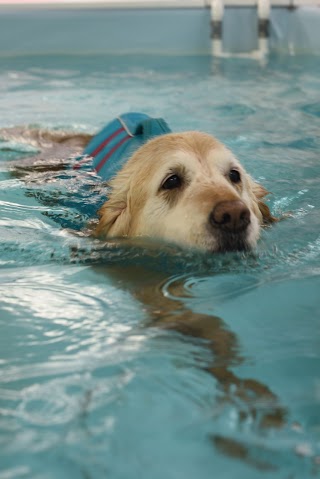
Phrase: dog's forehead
(198,152)
(214,156)
(222,157)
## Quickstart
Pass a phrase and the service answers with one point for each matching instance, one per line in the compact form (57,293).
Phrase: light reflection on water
(91,382)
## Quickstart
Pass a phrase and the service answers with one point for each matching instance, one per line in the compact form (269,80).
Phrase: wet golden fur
(138,206)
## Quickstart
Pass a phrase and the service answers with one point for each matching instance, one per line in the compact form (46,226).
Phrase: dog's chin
(231,243)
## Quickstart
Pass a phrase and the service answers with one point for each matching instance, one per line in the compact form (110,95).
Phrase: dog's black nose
(230,216)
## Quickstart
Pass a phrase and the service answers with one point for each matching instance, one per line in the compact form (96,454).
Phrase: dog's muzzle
(229,221)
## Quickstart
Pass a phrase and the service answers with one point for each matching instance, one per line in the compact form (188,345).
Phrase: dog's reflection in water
(253,399)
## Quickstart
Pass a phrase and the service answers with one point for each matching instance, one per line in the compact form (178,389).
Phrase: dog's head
(189,189)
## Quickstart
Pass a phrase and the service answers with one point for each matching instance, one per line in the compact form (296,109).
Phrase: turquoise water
(91,382)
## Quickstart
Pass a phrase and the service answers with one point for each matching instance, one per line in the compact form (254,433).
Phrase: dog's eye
(234,176)
(174,181)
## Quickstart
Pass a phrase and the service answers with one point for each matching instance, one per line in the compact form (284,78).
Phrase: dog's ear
(113,219)
(114,215)
(260,192)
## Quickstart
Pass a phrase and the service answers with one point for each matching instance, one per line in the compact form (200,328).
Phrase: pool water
(94,379)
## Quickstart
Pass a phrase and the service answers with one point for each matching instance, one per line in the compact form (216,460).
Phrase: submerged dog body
(186,188)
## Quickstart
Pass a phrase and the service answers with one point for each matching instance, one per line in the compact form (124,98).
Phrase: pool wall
(77,30)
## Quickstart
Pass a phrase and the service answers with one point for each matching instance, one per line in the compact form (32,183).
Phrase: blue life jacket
(109,149)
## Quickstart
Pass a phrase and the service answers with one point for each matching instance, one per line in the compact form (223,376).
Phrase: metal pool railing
(220,27)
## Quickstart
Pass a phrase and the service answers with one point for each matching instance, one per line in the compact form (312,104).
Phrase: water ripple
(86,378)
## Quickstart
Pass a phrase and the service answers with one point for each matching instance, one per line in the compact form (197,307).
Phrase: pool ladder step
(263,13)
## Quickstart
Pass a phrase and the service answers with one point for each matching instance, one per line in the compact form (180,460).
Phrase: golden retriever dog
(186,188)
